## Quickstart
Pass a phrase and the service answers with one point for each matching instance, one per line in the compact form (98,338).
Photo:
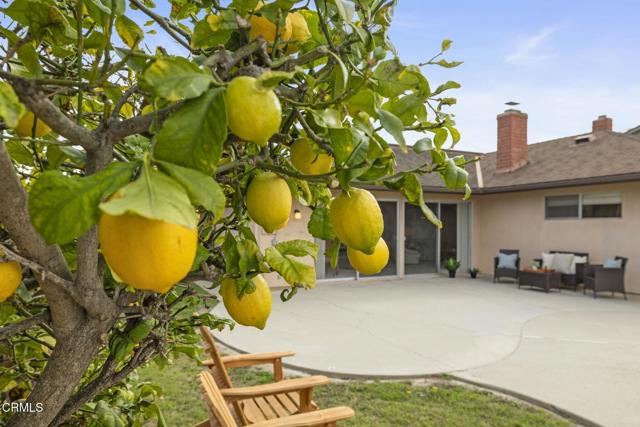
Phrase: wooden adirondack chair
(220,415)
(248,409)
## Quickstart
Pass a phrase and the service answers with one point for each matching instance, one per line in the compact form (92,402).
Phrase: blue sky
(566,62)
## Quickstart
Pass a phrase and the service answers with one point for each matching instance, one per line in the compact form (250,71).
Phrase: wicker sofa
(572,280)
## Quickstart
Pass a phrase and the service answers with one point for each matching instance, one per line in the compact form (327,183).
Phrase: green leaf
(446,44)
(214,30)
(392,124)
(455,177)
(271,79)
(298,248)
(176,78)
(447,64)
(365,100)
(194,135)
(129,31)
(319,224)
(202,189)
(155,196)
(294,272)
(409,108)
(29,58)
(422,145)
(230,254)
(346,9)
(332,251)
(446,86)
(244,6)
(393,80)
(63,208)
(440,137)
(11,109)
(411,188)
(108,416)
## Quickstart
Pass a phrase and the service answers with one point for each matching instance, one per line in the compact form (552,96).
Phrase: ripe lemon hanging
(269,201)
(299,28)
(252,309)
(369,264)
(254,113)
(10,277)
(262,27)
(357,220)
(308,161)
(146,253)
(24,128)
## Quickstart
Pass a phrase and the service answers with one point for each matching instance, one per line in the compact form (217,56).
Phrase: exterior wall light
(297,214)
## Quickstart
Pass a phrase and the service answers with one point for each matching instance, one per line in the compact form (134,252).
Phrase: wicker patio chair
(506,272)
(601,279)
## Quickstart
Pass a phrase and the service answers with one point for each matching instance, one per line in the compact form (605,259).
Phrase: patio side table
(540,279)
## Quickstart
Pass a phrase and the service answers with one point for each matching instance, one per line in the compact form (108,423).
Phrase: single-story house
(578,193)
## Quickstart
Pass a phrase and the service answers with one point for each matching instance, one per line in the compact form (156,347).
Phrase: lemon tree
(141,144)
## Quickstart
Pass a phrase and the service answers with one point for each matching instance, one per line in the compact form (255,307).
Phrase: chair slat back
(216,404)
(220,374)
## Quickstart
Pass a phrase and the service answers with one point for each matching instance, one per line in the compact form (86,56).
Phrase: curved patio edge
(550,407)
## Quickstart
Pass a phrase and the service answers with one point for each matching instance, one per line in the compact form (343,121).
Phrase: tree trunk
(68,362)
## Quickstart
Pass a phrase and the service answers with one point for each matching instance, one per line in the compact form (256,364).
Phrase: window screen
(562,207)
(602,205)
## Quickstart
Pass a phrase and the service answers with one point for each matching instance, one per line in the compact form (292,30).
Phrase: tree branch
(21,326)
(36,101)
(85,299)
(140,124)
(162,23)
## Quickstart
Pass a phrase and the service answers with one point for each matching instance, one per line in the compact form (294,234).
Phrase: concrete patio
(566,349)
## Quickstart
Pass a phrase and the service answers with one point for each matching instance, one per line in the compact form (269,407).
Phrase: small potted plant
(473,272)
(452,264)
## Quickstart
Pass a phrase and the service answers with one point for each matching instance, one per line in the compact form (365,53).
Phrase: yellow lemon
(145,253)
(357,220)
(252,309)
(269,201)
(299,28)
(10,277)
(262,27)
(24,128)
(254,114)
(369,264)
(308,161)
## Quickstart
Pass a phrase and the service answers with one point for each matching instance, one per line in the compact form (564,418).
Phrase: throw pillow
(547,260)
(507,261)
(562,263)
(612,263)
(577,260)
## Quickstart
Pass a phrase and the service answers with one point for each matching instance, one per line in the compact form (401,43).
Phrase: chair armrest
(252,359)
(495,263)
(285,386)
(315,418)
(208,363)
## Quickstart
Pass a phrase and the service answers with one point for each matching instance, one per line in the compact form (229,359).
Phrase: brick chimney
(602,123)
(512,151)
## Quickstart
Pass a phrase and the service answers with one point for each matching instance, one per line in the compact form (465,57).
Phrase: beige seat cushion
(562,263)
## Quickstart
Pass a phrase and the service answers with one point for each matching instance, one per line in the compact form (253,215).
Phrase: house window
(562,206)
(602,205)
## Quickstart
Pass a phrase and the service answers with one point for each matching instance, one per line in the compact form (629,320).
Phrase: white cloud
(529,50)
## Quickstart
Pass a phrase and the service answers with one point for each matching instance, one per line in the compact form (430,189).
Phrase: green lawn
(376,403)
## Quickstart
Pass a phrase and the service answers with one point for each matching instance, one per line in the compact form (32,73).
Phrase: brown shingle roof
(606,157)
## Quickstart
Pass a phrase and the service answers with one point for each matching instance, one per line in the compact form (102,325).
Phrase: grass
(375,403)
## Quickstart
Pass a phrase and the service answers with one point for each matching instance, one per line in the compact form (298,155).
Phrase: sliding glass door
(420,241)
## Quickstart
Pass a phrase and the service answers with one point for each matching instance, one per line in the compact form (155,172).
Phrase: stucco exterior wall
(517,221)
